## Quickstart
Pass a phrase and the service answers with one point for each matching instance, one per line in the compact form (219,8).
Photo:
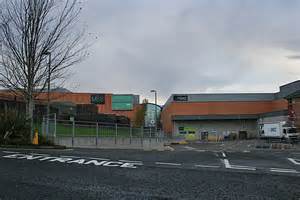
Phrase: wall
(218,108)
(296,109)
(220,126)
(112,143)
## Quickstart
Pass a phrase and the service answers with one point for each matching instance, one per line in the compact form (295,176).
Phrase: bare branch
(30,30)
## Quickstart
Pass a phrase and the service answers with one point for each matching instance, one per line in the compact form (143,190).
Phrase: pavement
(187,172)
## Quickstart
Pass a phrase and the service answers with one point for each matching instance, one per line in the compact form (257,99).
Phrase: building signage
(180,98)
(98,98)
(122,102)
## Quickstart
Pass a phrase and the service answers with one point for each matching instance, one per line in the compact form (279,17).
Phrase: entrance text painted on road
(80,161)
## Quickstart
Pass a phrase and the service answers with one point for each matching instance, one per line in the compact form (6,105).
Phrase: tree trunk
(29,114)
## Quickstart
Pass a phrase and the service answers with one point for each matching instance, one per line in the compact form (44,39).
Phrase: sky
(189,46)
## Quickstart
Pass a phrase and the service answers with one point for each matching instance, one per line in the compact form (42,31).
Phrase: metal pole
(54,125)
(48,93)
(43,126)
(150,134)
(155,111)
(142,136)
(116,133)
(97,134)
(73,132)
(130,132)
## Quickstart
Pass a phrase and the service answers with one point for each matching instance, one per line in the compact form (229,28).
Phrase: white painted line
(246,151)
(207,166)
(200,150)
(243,167)
(295,161)
(229,166)
(163,163)
(223,154)
(10,152)
(226,163)
(131,161)
(189,148)
(284,170)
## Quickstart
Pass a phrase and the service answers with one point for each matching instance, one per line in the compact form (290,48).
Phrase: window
(292,130)
(284,131)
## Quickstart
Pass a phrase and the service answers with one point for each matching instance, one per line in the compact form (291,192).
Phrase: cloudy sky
(189,46)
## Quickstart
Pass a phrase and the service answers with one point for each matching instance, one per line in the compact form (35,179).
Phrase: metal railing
(98,132)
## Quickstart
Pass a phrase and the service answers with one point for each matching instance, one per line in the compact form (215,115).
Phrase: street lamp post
(155,97)
(48,89)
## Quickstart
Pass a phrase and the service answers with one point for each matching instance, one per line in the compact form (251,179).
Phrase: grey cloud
(187,46)
(294,57)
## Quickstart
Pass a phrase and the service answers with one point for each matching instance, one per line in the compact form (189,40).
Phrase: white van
(280,130)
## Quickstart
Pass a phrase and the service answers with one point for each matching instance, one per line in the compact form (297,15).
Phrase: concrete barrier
(111,142)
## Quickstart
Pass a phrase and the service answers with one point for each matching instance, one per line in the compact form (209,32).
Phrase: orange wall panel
(218,108)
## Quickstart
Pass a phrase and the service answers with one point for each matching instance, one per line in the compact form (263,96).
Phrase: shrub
(14,128)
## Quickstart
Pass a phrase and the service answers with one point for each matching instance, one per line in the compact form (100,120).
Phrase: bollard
(36,137)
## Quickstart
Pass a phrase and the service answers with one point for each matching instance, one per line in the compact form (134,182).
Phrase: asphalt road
(186,173)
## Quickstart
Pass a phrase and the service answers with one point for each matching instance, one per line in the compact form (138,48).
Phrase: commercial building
(111,104)
(228,113)
(198,114)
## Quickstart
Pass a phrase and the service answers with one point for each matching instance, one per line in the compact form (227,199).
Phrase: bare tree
(31,31)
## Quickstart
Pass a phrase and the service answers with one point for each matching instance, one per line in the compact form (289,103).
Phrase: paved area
(188,172)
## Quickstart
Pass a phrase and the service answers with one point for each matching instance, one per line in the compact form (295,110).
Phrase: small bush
(14,128)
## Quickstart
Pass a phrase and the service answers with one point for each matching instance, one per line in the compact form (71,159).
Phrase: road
(186,173)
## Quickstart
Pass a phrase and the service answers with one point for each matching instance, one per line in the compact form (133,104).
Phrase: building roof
(285,91)
(212,117)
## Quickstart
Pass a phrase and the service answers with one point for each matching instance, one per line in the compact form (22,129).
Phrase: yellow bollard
(36,137)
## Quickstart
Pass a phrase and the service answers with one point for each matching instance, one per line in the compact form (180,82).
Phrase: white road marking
(223,154)
(75,160)
(295,161)
(283,170)
(200,150)
(131,161)
(163,163)
(246,151)
(10,152)
(189,148)
(229,166)
(207,166)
